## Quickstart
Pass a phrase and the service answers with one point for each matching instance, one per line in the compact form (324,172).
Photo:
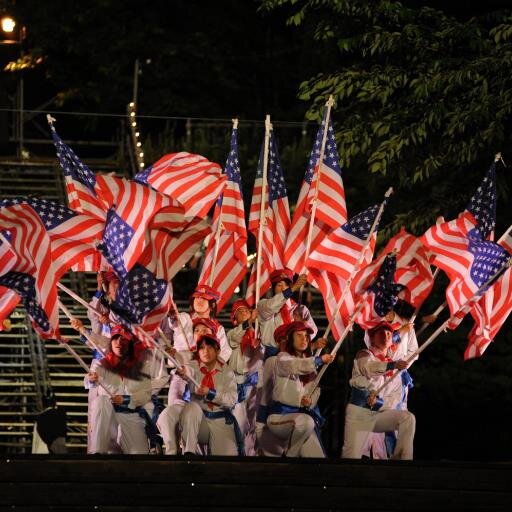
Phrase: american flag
(412,268)
(382,296)
(67,236)
(142,299)
(132,207)
(8,298)
(33,276)
(231,252)
(276,222)
(24,286)
(335,260)
(190,179)
(331,211)
(80,180)
(459,247)
(173,241)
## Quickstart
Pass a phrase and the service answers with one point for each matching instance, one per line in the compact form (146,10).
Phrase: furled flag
(323,184)
(190,179)
(276,220)
(334,261)
(459,247)
(227,247)
(382,294)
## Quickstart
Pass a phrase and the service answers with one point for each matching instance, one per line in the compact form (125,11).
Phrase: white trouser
(299,430)
(168,425)
(269,444)
(360,421)
(176,390)
(197,428)
(245,414)
(131,435)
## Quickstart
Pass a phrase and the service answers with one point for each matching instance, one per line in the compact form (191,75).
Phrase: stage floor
(151,483)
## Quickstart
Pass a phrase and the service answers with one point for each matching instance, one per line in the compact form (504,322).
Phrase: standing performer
(293,414)
(281,308)
(246,361)
(208,418)
(368,413)
(126,387)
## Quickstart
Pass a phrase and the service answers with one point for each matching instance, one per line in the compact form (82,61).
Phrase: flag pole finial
(235,123)
(389,192)
(50,119)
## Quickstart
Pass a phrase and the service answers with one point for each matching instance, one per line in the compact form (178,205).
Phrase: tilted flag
(132,207)
(227,247)
(276,220)
(491,310)
(382,294)
(459,247)
(190,179)
(67,236)
(335,259)
(412,268)
(142,299)
(80,180)
(323,184)
(8,298)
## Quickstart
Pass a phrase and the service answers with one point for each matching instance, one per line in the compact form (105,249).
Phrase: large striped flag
(329,194)
(276,221)
(8,298)
(412,269)
(459,247)
(67,237)
(190,179)
(228,245)
(80,180)
(491,310)
(335,259)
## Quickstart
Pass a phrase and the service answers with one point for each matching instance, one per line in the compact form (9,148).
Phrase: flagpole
(66,311)
(355,269)
(138,330)
(220,227)
(445,324)
(268,127)
(340,341)
(329,104)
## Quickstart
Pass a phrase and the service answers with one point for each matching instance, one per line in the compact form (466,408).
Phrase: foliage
(421,97)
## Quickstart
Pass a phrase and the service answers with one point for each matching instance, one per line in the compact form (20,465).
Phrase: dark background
(209,62)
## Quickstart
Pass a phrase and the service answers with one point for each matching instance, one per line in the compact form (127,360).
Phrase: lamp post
(12,34)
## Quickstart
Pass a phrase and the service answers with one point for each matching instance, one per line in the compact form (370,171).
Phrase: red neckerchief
(208,380)
(248,340)
(384,359)
(286,312)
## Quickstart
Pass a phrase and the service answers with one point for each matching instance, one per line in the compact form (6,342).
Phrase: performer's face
(112,288)
(207,354)
(119,346)
(382,339)
(242,314)
(201,305)
(300,341)
(280,286)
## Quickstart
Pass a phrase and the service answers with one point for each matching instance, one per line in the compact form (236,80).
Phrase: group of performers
(248,391)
